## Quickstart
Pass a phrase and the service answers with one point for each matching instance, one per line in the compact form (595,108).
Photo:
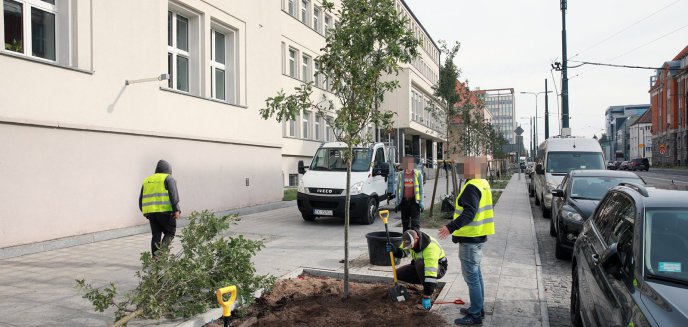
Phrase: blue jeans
(470,255)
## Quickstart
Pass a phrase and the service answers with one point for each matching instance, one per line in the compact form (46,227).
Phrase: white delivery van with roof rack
(321,190)
(556,157)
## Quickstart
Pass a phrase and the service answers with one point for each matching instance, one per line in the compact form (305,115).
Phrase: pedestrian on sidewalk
(473,221)
(159,203)
(409,197)
(428,262)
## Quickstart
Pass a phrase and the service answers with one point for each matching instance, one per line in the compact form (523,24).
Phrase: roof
(646,118)
(603,173)
(420,24)
(661,198)
(682,54)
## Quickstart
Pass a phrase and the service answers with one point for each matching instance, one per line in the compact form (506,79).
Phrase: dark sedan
(627,266)
(575,200)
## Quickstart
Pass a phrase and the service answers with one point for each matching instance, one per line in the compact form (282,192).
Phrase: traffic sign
(662,149)
(518,130)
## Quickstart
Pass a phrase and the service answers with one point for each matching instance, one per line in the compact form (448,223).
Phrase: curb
(544,313)
(69,241)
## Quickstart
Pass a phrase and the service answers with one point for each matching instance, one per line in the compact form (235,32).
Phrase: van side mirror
(558,193)
(381,170)
(302,169)
(539,170)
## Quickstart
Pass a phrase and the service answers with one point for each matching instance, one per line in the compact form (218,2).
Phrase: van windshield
(564,162)
(333,159)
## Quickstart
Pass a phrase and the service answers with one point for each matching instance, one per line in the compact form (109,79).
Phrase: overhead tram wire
(583,63)
(634,49)
(626,28)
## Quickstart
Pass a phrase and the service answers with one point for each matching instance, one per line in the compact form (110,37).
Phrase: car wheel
(308,217)
(576,319)
(531,193)
(559,251)
(537,200)
(545,213)
(552,231)
(371,213)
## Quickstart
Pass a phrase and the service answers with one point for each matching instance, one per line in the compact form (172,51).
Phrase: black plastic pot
(376,247)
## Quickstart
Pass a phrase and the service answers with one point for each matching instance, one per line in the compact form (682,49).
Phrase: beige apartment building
(77,139)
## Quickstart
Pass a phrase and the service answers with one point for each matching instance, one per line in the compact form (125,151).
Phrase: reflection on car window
(606,219)
(564,162)
(594,188)
(666,243)
(333,159)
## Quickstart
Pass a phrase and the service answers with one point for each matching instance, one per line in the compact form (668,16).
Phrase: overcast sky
(511,43)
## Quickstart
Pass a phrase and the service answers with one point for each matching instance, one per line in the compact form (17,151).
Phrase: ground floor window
(294,180)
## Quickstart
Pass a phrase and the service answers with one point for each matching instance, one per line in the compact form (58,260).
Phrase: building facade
(668,97)
(197,71)
(640,137)
(615,116)
(501,103)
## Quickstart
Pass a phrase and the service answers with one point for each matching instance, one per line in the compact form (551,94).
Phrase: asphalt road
(673,179)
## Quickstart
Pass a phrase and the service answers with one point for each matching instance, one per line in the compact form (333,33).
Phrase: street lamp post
(536,115)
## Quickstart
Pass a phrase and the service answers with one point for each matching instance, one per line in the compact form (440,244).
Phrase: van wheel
(371,213)
(576,319)
(559,251)
(545,213)
(552,231)
(308,217)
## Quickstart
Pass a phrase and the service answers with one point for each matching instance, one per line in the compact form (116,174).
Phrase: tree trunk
(125,319)
(347,216)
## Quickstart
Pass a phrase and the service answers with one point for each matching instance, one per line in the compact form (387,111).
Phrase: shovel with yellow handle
(397,292)
(226,305)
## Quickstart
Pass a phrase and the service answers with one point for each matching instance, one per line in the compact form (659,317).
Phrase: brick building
(668,96)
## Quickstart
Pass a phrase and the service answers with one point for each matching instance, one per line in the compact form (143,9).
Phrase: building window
(328,23)
(30,26)
(217,65)
(292,62)
(291,7)
(291,128)
(306,68)
(178,51)
(306,124)
(304,11)
(316,19)
(318,121)
(293,180)
(316,74)
(329,136)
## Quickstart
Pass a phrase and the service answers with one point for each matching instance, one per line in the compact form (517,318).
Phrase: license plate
(320,212)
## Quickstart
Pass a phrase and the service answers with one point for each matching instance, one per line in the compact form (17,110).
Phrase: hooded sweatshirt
(164,167)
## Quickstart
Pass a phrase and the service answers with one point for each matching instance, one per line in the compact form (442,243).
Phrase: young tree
(445,89)
(362,52)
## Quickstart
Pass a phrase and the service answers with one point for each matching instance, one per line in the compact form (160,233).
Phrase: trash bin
(376,247)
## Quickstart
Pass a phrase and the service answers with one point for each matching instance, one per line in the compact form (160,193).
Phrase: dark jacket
(164,167)
(469,201)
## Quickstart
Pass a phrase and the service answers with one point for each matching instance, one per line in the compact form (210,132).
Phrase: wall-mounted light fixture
(162,77)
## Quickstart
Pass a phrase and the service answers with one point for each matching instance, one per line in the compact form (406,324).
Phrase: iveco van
(321,190)
(555,158)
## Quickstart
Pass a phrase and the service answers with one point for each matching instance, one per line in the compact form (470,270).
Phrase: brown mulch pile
(317,301)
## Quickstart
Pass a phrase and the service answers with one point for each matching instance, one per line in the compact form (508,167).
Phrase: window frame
(27,29)
(305,125)
(175,51)
(317,125)
(306,67)
(304,12)
(292,62)
(317,19)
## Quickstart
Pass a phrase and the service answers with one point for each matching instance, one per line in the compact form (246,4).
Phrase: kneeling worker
(428,262)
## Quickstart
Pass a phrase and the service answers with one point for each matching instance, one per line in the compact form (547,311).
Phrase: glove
(426,303)
(390,248)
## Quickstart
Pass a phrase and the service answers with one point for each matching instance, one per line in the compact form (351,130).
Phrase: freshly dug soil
(317,301)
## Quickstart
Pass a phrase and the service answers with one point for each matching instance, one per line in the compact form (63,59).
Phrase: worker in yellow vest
(409,197)
(428,262)
(159,203)
(473,221)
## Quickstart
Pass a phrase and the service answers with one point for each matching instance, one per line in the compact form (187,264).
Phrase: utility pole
(533,130)
(546,112)
(564,72)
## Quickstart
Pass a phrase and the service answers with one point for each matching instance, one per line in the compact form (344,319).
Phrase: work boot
(468,320)
(464,311)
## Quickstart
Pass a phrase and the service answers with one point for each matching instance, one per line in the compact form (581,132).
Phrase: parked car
(556,157)
(639,164)
(624,165)
(576,199)
(611,165)
(617,165)
(628,262)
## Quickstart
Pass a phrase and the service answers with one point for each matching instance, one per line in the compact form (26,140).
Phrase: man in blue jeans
(473,221)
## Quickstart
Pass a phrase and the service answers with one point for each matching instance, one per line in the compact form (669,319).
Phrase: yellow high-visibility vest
(483,222)
(416,185)
(155,197)
(431,256)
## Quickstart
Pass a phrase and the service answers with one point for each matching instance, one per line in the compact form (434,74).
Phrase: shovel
(397,292)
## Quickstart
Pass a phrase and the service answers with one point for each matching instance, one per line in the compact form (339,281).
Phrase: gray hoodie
(164,167)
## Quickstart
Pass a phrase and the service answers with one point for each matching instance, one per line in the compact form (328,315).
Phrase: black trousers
(161,223)
(414,273)
(410,215)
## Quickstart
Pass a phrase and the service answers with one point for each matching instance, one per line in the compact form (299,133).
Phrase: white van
(556,157)
(322,187)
